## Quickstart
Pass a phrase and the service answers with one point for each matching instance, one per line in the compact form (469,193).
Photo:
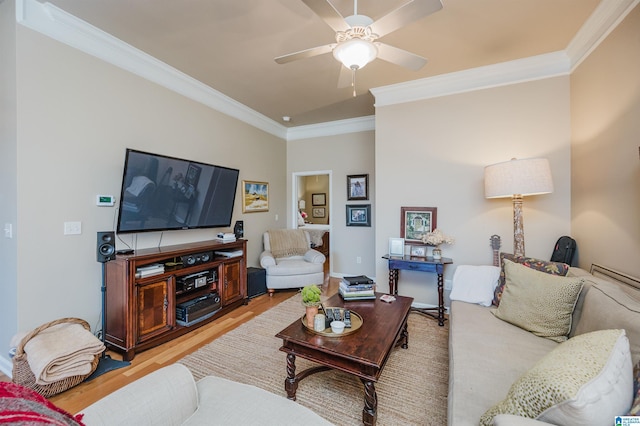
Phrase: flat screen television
(162,193)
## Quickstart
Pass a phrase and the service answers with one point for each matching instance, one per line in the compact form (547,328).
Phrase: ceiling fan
(356,36)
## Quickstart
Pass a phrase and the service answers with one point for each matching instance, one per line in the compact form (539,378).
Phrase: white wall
(347,154)
(432,153)
(8,192)
(605,112)
(76,115)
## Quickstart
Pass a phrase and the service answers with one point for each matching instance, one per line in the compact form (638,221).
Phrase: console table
(421,264)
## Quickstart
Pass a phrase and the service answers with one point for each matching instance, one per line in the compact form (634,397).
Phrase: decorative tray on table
(356,323)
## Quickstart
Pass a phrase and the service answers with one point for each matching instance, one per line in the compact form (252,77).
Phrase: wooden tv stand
(141,311)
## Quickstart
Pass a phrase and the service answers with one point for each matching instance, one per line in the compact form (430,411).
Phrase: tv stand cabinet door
(155,310)
(232,289)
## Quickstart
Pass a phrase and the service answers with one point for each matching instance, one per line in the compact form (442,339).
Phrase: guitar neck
(496,257)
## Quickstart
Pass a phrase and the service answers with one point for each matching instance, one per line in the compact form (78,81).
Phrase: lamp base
(518,226)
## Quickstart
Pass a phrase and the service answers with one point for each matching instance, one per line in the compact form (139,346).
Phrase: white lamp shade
(302,204)
(529,176)
(355,53)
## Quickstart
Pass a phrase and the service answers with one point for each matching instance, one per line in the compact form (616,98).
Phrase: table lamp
(517,178)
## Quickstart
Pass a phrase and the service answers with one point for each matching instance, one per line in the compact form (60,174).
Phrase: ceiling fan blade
(328,13)
(345,77)
(400,57)
(404,15)
(303,54)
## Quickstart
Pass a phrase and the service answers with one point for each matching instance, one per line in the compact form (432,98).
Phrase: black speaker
(238,229)
(106,246)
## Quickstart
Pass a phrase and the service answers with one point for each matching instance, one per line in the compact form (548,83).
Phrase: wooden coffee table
(363,353)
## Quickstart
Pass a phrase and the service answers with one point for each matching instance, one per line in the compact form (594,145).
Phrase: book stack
(357,288)
(147,271)
(226,237)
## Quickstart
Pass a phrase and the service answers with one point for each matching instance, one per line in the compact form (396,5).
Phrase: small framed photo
(396,247)
(419,251)
(358,214)
(319,199)
(358,187)
(317,212)
(255,196)
(416,222)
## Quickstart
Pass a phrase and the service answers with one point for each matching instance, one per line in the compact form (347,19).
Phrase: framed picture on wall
(358,214)
(319,199)
(317,212)
(417,221)
(358,187)
(255,196)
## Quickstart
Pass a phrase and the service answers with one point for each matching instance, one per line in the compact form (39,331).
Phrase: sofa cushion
(167,396)
(554,268)
(225,402)
(486,355)
(538,302)
(585,380)
(607,305)
(474,284)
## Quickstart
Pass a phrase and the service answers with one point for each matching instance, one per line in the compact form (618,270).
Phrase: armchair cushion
(314,256)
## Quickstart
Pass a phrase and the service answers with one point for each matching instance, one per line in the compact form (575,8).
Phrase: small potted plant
(311,300)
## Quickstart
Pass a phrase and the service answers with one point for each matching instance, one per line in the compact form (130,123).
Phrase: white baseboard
(6,366)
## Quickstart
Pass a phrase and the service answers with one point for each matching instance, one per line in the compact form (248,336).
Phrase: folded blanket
(61,351)
(288,242)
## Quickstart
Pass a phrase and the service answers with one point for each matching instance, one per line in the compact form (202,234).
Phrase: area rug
(412,389)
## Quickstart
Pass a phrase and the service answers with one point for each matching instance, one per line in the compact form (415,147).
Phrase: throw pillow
(585,380)
(554,268)
(538,302)
(474,284)
(20,405)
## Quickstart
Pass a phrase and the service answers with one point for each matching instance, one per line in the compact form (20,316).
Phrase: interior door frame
(294,203)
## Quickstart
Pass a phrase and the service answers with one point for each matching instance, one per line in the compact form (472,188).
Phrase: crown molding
(505,73)
(59,25)
(603,20)
(607,15)
(332,128)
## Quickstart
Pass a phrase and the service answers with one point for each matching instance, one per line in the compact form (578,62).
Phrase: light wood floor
(86,393)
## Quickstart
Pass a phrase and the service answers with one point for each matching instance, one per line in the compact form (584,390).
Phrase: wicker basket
(23,375)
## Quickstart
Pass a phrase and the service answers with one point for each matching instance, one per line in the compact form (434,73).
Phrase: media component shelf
(158,294)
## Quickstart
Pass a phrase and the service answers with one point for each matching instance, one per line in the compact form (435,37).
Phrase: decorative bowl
(337,327)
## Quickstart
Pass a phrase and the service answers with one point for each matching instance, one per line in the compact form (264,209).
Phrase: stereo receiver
(197,280)
(198,309)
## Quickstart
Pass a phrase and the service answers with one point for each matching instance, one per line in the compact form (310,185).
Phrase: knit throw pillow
(554,268)
(585,380)
(537,302)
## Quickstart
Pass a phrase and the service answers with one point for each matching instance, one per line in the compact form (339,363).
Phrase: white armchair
(289,260)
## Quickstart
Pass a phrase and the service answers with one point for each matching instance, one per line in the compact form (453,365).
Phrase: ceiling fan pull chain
(353,81)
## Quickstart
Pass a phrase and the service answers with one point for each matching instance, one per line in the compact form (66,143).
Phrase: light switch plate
(72,228)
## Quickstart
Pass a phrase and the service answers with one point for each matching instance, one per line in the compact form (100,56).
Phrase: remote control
(347,318)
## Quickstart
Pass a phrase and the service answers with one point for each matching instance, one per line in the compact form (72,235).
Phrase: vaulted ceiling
(230,45)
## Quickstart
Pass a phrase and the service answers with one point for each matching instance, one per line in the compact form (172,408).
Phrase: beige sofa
(487,355)
(170,396)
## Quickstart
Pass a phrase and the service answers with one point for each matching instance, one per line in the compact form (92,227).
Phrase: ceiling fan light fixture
(355,53)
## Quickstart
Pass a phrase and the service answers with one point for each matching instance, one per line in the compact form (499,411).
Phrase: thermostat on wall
(105,200)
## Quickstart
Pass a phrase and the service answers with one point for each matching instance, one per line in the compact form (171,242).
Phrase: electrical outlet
(72,228)
(358,260)
(276,218)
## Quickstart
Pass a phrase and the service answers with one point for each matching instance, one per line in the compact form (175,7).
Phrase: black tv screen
(163,193)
